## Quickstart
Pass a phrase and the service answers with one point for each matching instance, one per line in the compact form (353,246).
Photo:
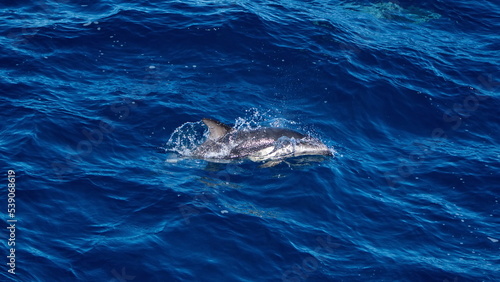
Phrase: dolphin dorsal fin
(216,128)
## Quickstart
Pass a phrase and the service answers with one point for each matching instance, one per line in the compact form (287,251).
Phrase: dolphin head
(311,146)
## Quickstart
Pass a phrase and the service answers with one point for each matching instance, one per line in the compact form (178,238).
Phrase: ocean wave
(406,93)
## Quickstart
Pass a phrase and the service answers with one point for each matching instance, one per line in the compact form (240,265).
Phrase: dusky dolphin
(271,144)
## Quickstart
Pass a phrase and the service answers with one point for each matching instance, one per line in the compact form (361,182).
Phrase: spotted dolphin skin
(261,144)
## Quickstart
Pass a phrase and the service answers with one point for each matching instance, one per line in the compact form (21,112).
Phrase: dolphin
(271,144)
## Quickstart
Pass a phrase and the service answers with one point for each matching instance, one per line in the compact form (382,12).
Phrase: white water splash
(186,138)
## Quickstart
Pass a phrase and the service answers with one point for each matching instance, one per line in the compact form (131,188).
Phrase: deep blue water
(406,93)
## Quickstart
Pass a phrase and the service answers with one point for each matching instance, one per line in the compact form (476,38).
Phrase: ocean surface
(99,100)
